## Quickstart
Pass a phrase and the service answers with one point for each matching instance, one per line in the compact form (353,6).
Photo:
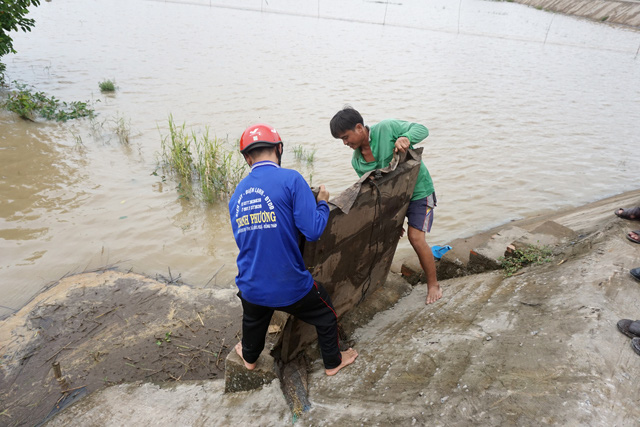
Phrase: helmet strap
(279,153)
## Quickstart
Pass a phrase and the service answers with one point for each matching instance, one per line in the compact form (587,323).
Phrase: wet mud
(105,328)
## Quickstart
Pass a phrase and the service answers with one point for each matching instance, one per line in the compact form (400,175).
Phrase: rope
(376,213)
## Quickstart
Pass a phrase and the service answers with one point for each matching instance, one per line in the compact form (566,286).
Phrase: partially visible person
(631,328)
(268,210)
(631,213)
(373,148)
(634,236)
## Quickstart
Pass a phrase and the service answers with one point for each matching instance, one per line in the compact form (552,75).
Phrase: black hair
(258,150)
(344,120)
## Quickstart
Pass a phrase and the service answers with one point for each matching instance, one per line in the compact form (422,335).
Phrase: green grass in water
(107,86)
(209,162)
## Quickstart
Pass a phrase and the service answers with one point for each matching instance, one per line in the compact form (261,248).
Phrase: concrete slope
(540,347)
(622,12)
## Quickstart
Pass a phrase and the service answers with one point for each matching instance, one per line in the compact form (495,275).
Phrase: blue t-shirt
(268,209)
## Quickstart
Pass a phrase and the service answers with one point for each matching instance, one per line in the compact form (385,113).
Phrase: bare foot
(249,366)
(434,293)
(348,357)
(633,235)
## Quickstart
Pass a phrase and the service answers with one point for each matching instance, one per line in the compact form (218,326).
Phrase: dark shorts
(420,213)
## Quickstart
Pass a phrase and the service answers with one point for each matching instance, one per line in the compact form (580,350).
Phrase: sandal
(630,328)
(635,272)
(631,213)
(635,345)
(634,239)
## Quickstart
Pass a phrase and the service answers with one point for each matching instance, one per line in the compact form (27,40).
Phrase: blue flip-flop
(438,251)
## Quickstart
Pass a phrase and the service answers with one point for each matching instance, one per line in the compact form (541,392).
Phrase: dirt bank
(106,328)
(611,11)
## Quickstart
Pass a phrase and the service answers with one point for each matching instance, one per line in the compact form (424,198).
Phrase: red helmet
(259,135)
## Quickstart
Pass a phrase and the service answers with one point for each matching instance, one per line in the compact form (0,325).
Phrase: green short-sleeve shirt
(382,138)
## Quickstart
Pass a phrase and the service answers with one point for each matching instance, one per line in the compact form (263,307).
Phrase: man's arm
(409,135)
(310,216)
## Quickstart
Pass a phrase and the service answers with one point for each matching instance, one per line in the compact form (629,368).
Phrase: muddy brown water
(528,112)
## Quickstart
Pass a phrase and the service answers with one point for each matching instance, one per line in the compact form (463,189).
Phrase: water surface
(528,112)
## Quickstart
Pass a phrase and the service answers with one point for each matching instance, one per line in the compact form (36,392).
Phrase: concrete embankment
(611,11)
(539,347)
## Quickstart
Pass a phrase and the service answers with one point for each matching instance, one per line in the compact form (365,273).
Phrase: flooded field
(528,112)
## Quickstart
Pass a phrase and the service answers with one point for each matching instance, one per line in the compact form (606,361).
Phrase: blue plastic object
(438,251)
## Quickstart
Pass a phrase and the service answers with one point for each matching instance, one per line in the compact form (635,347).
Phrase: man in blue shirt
(268,210)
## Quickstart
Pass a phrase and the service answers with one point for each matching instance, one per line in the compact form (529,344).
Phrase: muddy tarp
(353,256)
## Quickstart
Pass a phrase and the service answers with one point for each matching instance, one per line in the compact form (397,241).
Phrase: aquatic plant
(519,258)
(77,138)
(107,86)
(201,159)
(27,104)
(303,155)
(122,129)
(176,150)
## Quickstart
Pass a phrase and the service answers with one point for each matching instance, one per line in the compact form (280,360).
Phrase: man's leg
(428,263)
(420,218)
(316,309)
(255,323)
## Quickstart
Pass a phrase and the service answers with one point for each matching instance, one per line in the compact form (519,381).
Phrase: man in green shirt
(373,149)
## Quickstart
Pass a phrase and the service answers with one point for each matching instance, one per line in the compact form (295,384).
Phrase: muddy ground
(106,328)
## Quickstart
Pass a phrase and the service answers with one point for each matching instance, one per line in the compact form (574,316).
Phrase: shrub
(107,86)
(27,103)
(12,18)
(521,257)
(2,70)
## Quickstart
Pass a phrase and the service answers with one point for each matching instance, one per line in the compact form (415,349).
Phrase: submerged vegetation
(122,128)
(199,159)
(107,86)
(303,155)
(522,257)
(28,104)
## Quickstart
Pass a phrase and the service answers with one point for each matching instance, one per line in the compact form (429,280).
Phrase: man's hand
(402,144)
(323,194)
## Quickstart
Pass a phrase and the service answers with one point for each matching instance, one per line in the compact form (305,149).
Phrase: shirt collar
(264,163)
